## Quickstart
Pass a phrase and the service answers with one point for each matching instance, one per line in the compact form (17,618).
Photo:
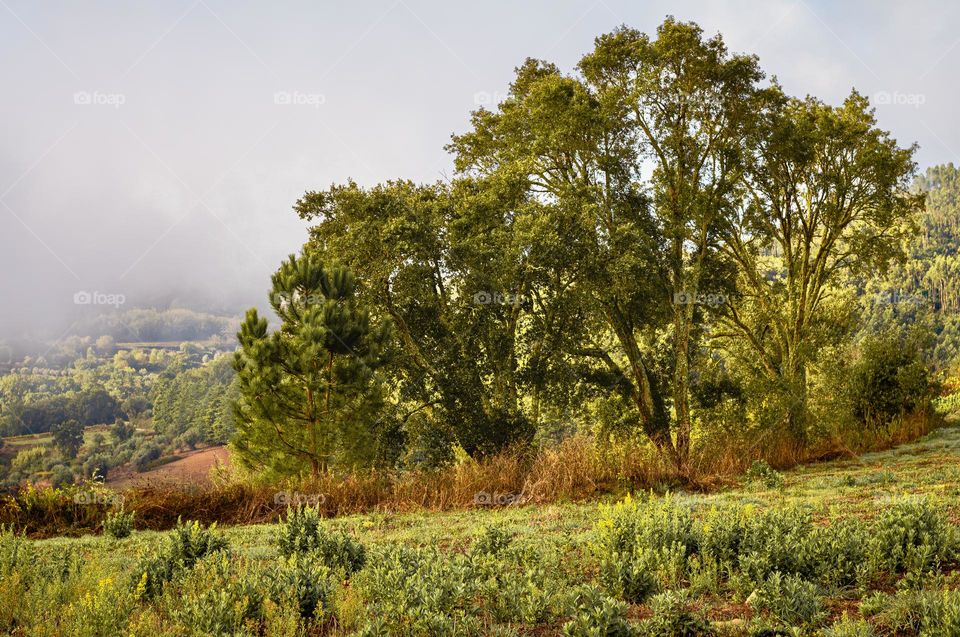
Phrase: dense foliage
(661,244)
(309,392)
(112,406)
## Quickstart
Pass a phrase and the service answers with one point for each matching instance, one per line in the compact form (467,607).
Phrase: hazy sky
(154,149)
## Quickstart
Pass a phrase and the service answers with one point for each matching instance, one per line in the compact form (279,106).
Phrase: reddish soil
(189,467)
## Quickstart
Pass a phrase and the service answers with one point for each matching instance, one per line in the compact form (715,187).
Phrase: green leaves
(309,392)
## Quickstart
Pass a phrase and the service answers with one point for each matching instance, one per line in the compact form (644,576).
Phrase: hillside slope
(856,547)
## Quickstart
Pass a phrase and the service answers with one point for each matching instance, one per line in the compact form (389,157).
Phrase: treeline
(662,244)
(922,289)
(156,325)
(195,405)
(89,406)
(152,402)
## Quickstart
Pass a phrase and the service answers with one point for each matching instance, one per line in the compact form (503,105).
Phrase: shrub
(762,473)
(96,468)
(183,548)
(928,613)
(149,453)
(790,599)
(305,581)
(596,615)
(60,476)
(302,532)
(31,582)
(491,540)
(642,545)
(847,627)
(840,552)
(673,616)
(720,533)
(218,597)
(101,612)
(118,524)
(888,381)
(651,523)
(777,540)
(913,535)
(423,576)
(517,585)
(421,591)
(630,577)
(16,554)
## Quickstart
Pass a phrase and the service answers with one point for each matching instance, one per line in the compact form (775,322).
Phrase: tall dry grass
(577,468)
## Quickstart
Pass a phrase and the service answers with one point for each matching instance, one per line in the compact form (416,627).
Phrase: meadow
(864,546)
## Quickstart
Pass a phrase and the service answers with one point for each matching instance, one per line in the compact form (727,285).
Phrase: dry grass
(576,469)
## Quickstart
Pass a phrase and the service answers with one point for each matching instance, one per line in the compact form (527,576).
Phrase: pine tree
(308,391)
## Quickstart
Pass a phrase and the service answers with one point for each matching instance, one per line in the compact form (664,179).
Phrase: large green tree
(309,391)
(470,275)
(826,197)
(643,151)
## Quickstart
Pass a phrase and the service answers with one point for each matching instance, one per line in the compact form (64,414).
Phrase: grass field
(575,569)
(46,439)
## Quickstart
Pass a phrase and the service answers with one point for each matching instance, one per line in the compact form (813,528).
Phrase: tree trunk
(314,456)
(645,395)
(681,382)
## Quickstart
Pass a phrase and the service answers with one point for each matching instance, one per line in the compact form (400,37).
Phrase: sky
(151,152)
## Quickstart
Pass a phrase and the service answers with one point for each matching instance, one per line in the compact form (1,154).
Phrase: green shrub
(778,540)
(16,553)
(103,611)
(913,535)
(643,545)
(674,616)
(762,473)
(491,540)
(302,532)
(789,599)
(417,592)
(888,381)
(518,585)
(219,596)
(912,612)
(182,549)
(119,524)
(422,591)
(307,582)
(33,582)
(721,531)
(840,552)
(631,577)
(847,627)
(146,455)
(596,615)
(650,523)
(61,476)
